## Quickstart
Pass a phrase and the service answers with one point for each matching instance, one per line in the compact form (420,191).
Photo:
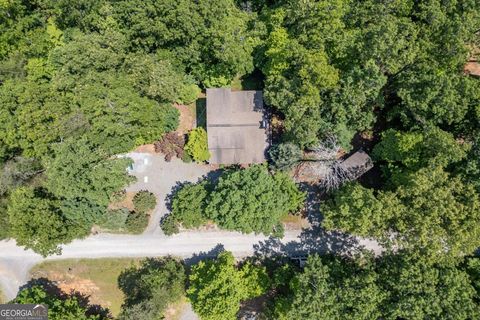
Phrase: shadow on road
(204,255)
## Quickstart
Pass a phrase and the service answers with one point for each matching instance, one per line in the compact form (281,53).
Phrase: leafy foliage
(248,200)
(253,200)
(188,205)
(151,287)
(78,169)
(410,151)
(197,145)
(418,290)
(171,145)
(331,288)
(218,287)
(284,155)
(59,308)
(432,213)
(136,222)
(144,201)
(37,223)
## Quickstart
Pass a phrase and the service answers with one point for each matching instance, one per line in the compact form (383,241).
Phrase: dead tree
(337,175)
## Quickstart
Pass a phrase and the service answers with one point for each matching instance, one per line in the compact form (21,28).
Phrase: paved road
(15,262)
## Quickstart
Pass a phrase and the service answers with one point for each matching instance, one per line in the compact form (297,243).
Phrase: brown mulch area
(127,202)
(187,119)
(147,148)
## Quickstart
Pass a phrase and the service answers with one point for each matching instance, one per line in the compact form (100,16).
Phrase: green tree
(151,287)
(285,155)
(406,152)
(161,78)
(197,145)
(79,169)
(144,201)
(59,308)
(210,37)
(417,289)
(433,213)
(37,223)
(217,287)
(333,288)
(188,205)
(253,200)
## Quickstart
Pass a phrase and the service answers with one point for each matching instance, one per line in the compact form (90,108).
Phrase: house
(236,126)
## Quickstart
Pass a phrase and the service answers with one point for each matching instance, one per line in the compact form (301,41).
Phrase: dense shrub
(144,201)
(171,145)
(197,145)
(136,222)
(114,220)
(169,225)
(285,155)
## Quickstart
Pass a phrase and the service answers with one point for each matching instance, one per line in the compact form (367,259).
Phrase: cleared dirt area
(187,120)
(95,278)
(126,202)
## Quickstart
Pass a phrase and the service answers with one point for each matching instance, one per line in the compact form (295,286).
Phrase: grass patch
(96,278)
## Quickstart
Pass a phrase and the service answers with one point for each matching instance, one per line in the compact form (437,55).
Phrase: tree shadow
(52,289)
(314,239)
(204,255)
(201,112)
(170,196)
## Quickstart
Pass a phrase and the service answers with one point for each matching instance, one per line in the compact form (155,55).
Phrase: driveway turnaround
(156,175)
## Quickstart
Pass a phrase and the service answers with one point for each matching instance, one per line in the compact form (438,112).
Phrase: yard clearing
(96,278)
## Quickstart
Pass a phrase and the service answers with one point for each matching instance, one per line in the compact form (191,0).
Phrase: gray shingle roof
(233,126)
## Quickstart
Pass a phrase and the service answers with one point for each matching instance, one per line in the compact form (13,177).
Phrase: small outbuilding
(236,126)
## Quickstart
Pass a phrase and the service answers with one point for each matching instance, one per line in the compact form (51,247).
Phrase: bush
(144,201)
(187,158)
(188,93)
(114,220)
(197,145)
(285,155)
(169,225)
(171,145)
(136,222)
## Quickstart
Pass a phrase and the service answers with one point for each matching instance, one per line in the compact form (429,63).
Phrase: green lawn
(96,278)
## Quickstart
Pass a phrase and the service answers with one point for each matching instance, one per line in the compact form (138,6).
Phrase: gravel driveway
(160,177)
